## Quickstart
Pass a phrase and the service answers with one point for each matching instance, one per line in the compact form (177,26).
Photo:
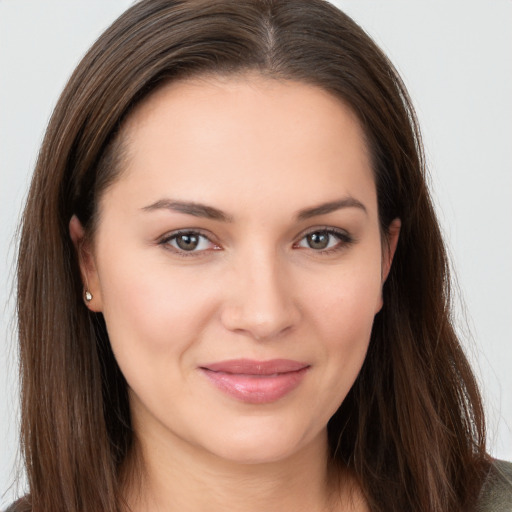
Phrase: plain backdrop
(456,59)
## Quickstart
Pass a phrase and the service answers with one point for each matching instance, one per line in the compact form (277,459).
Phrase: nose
(260,301)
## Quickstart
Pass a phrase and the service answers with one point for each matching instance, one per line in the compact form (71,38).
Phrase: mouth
(256,382)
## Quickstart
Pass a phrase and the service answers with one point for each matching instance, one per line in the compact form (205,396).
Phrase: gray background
(456,59)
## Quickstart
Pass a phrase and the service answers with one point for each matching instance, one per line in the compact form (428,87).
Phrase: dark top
(496,493)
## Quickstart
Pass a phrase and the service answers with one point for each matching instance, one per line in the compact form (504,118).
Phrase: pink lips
(256,382)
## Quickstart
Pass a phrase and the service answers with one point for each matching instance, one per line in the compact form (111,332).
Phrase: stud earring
(87,296)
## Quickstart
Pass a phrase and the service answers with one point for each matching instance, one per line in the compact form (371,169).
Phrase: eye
(325,240)
(188,241)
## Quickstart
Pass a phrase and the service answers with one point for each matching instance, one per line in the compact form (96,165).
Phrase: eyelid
(345,238)
(165,239)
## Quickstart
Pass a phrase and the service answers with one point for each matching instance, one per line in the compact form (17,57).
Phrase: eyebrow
(189,208)
(332,206)
(210,212)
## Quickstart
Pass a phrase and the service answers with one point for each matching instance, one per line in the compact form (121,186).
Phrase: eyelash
(344,240)
(165,241)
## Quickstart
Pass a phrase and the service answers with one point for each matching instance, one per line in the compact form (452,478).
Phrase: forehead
(245,137)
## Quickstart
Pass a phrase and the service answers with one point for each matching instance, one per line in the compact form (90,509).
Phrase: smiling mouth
(256,382)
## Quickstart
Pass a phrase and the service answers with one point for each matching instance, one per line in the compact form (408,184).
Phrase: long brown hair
(411,429)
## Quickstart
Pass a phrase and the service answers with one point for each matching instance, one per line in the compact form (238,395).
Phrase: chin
(264,444)
(252,454)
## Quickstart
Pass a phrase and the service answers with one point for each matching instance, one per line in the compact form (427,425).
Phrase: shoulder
(496,493)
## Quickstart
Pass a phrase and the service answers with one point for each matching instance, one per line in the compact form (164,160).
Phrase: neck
(178,477)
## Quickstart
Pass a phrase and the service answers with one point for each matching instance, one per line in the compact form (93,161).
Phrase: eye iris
(187,241)
(318,240)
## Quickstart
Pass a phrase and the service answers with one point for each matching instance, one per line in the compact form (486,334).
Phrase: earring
(87,296)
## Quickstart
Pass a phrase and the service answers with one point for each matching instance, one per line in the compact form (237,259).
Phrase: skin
(261,151)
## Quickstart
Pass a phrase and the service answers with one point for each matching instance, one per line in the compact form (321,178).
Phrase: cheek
(153,313)
(343,309)
(154,320)
(345,328)
(345,302)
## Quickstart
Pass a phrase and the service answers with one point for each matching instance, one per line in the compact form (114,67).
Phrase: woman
(232,290)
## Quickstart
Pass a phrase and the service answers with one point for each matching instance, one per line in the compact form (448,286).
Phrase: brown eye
(187,241)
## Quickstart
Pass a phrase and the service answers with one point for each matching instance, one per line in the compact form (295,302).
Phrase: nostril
(264,307)
(265,332)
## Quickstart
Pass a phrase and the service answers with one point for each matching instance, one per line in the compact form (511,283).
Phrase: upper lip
(253,367)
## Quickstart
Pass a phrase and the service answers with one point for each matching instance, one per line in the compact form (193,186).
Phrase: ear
(388,252)
(87,264)
(390,247)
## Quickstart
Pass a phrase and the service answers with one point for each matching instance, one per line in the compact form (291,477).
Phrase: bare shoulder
(496,494)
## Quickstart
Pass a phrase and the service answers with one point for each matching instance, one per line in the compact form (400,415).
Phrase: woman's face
(238,264)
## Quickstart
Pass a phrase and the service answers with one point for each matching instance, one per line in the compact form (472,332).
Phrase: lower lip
(256,389)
